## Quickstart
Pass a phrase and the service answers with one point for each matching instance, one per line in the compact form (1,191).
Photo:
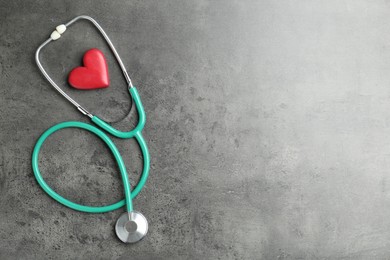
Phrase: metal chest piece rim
(131,227)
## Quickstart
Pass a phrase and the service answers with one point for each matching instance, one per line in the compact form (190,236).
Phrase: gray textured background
(268,126)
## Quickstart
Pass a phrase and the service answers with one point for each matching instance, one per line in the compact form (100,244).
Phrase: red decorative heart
(94,73)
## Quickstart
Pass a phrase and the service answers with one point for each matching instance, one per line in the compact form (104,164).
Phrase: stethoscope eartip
(131,227)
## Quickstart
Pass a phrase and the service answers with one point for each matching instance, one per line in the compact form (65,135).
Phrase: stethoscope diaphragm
(131,227)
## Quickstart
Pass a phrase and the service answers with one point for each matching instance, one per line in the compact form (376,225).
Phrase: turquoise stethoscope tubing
(135,133)
(131,226)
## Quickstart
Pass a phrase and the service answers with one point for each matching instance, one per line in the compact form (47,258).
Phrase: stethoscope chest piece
(131,227)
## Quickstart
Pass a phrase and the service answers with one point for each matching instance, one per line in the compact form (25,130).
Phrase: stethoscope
(131,226)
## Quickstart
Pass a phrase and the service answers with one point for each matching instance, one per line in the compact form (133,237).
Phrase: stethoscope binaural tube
(131,226)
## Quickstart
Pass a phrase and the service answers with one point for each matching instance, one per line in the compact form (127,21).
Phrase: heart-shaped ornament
(94,73)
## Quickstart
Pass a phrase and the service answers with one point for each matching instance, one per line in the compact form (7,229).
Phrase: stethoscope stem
(144,175)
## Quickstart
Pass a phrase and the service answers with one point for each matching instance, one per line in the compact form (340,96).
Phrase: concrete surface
(268,126)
